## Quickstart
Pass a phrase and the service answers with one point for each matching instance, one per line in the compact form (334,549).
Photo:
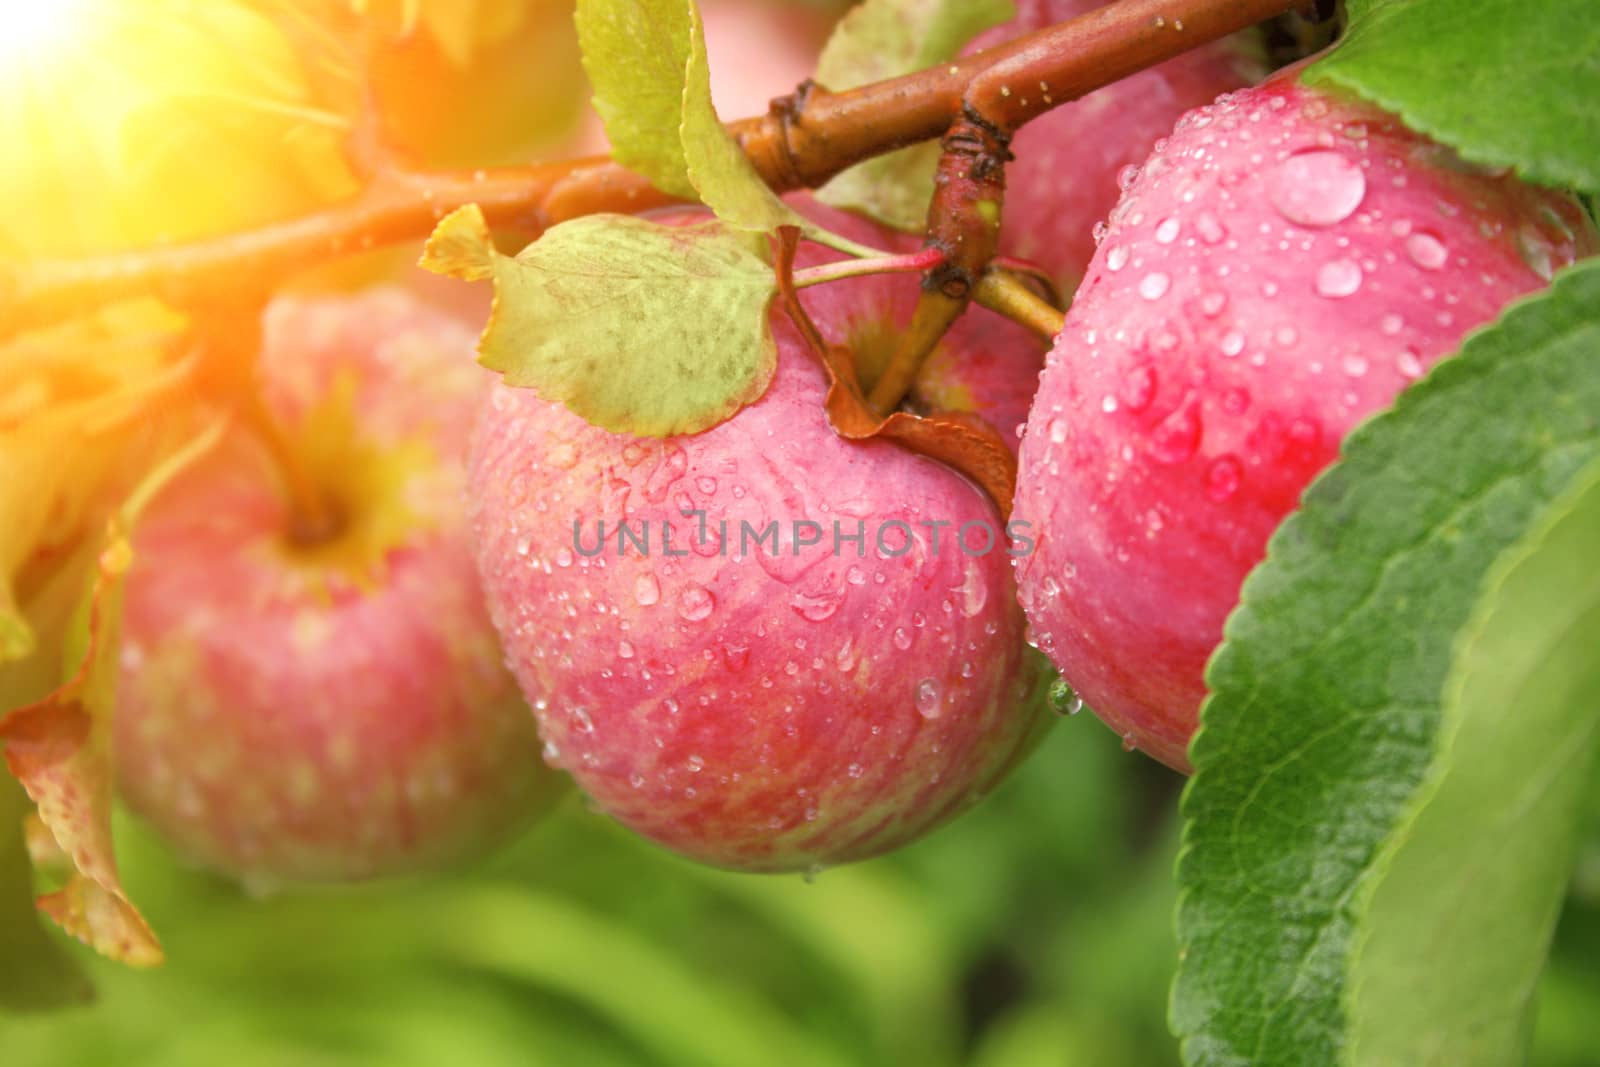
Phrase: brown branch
(805,140)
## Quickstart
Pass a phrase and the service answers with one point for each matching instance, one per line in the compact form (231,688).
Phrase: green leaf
(884,39)
(636,53)
(718,167)
(1504,82)
(1460,921)
(35,973)
(637,327)
(1326,692)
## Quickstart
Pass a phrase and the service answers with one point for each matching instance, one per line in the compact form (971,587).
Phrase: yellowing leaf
(723,176)
(637,327)
(884,39)
(70,402)
(58,748)
(636,53)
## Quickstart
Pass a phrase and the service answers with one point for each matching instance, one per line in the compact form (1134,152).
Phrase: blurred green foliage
(1033,932)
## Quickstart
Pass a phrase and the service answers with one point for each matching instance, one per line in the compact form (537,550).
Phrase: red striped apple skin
(1281,268)
(752,710)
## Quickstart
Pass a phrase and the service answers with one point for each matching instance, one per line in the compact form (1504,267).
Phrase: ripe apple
(761,705)
(327,705)
(1064,179)
(1282,267)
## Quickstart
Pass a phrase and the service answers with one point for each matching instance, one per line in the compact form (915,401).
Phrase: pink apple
(332,709)
(1065,177)
(1282,267)
(767,710)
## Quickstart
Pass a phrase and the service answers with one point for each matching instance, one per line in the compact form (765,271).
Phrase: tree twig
(802,142)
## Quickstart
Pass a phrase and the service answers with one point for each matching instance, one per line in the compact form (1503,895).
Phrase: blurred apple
(324,704)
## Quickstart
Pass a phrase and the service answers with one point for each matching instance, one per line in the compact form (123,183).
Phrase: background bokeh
(1033,932)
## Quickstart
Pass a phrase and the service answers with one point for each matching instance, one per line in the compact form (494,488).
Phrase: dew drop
(695,764)
(646,590)
(1154,286)
(1223,478)
(816,608)
(624,650)
(1426,250)
(563,558)
(1409,364)
(927,698)
(1535,251)
(1316,188)
(695,603)
(1167,232)
(706,484)
(1063,700)
(1178,435)
(1128,743)
(1108,404)
(1210,230)
(1117,258)
(1338,278)
(902,638)
(1212,303)
(1139,388)
(1058,430)
(736,657)
(1232,343)
(1391,324)
(1355,365)
(563,456)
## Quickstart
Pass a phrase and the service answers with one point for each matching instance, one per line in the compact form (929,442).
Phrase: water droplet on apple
(1223,478)
(816,608)
(927,698)
(1058,430)
(695,603)
(1317,188)
(1426,250)
(1154,286)
(1355,365)
(1117,258)
(646,590)
(1167,232)
(624,650)
(1232,343)
(1178,435)
(1409,364)
(1391,324)
(1210,230)
(901,638)
(1139,388)
(1338,278)
(1212,303)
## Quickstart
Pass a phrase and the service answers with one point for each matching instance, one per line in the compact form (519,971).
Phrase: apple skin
(752,711)
(338,711)
(1064,179)
(1280,270)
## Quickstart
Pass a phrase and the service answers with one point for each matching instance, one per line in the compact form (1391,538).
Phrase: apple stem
(802,142)
(1007,294)
(935,311)
(313,518)
(912,262)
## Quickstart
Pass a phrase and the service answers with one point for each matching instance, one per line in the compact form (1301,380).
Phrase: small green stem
(920,260)
(1006,294)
